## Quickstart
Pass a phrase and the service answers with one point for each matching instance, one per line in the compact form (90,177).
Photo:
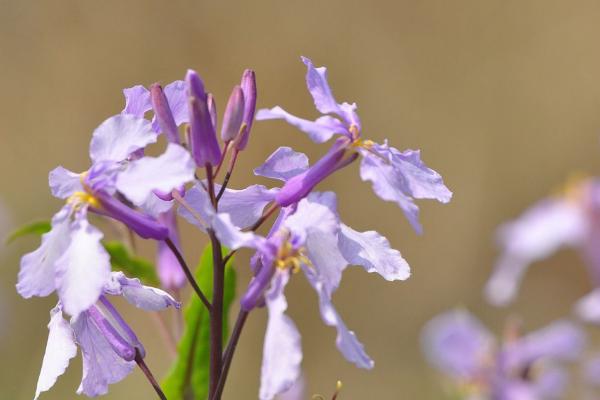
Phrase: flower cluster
(146,194)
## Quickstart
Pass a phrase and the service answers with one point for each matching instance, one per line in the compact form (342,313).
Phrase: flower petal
(373,252)
(245,206)
(401,177)
(63,183)
(540,231)
(175,94)
(316,81)
(164,173)
(137,101)
(231,236)
(83,269)
(38,268)
(170,272)
(283,164)
(101,365)
(141,296)
(457,344)
(318,131)
(198,200)
(317,212)
(59,350)
(119,136)
(282,352)
(588,308)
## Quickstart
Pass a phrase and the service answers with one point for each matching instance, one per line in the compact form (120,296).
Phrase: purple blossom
(107,343)
(396,176)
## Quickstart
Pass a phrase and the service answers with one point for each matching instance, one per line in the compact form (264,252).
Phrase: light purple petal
(540,231)
(282,352)
(119,136)
(170,273)
(177,98)
(231,236)
(101,365)
(318,211)
(551,383)
(137,101)
(402,177)
(141,296)
(588,308)
(373,252)
(38,268)
(83,269)
(457,344)
(347,342)
(59,350)
(592,370)
(296,392)
(164,173)
(283,164)
(199,201)
(245,206)
(318,131)
(63,183)
(155,206)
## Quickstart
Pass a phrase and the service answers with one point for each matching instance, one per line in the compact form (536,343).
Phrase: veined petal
(401,177)
(38,268)
(588,307)
(245,206)
(282,352)
(316,81)
(141,296)
(101,365)
(283,164)
(63,183)
(199,201)
(83,269)
(540,231)
(347,343)
(137,101)
(373,252)
(59,350)
(318,131)
(164,173)
(119,136)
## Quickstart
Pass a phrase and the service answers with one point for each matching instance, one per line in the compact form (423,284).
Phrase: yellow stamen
(79,199)
(290,258)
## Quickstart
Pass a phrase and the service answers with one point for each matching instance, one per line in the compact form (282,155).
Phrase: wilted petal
(101,365)
(83,269)
(588,308)
(63,183)
(402,177)
(164,173)
(119,136)
(245,206)
(141,296)
(318,131)
(373,252)
(38,268)
(283,164)
(282,352)
(457,344)
(137,101)
(59,350)
(539,232)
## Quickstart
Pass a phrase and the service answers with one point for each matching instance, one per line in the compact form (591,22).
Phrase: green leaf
(34,228)
(132,266)
(188,377)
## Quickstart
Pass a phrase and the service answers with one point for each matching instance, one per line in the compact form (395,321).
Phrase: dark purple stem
(140,362)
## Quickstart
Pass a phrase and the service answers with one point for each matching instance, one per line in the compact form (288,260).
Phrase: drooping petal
(373,252)
(588,308)
(245,206)
(119,136)
(83,269)
(38,268)
(59,350)
(101,365)
(141,296)
(539,232)
(457,344)
(319,131)
(282,352)
(164,173)
(63,183)
(137,101)
(283,164)
(402,177)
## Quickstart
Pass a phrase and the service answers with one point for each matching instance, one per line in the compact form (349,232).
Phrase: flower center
(289,257)
(79,199)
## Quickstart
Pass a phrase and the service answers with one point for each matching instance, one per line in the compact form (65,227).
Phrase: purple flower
(396,176)
(71,258)
(522,367)
(108,345)
(551,224)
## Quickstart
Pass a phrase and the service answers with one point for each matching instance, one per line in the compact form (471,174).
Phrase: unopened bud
(163,113)
(234,114)
(249,88)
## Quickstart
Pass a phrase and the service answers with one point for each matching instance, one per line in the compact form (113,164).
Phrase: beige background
(503,98)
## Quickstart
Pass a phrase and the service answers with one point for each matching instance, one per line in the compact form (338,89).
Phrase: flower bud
(163,113)
(234,114)
(249,88)
(203,139)
(212,110)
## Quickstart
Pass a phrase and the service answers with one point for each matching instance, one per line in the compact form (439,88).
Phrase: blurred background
(502,97)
